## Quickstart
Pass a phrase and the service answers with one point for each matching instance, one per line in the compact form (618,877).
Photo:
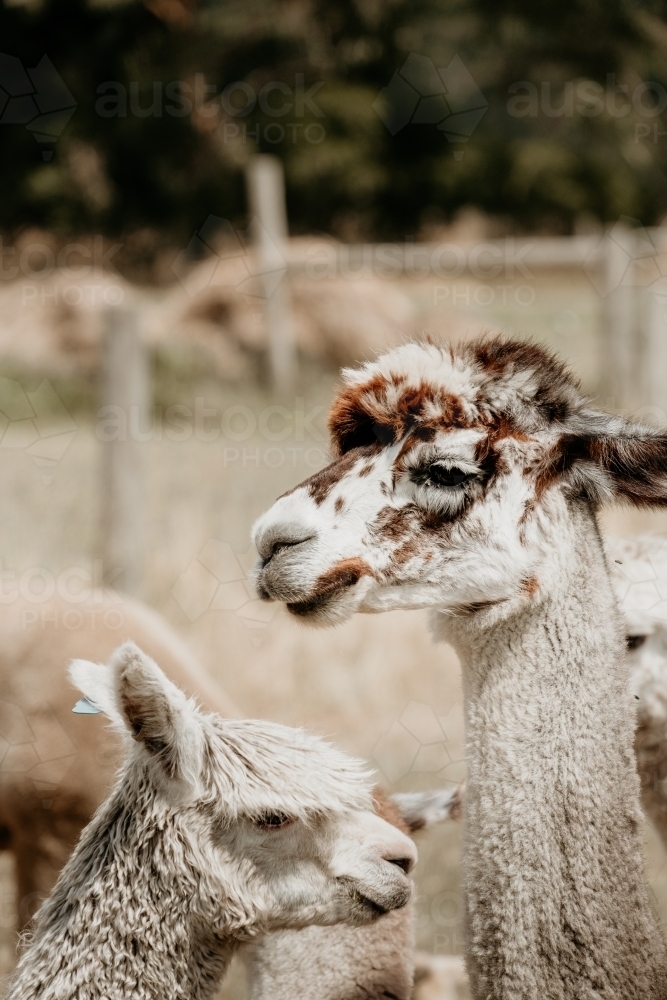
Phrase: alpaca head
(453,474)
(269,826)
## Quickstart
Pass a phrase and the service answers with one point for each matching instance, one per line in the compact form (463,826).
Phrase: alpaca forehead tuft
(413,364)
(474,384)
(258,767)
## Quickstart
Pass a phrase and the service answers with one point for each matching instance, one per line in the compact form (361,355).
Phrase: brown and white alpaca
(466,480)
(216,830)
(351,963)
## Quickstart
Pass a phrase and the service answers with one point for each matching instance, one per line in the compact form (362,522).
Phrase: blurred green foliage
(300,79)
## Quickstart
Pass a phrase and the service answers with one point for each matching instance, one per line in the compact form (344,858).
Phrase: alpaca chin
(334,608)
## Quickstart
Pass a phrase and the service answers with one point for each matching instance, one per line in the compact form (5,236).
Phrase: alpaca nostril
(279,546)
(401,853)
(278,538)
(405,864)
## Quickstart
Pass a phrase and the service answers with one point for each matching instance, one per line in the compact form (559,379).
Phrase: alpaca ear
(132,690)
(611,458)
(422,809)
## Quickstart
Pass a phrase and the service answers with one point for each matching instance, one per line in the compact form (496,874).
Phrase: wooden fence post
(621,319)
(653,353)
(266,196)
(122,422)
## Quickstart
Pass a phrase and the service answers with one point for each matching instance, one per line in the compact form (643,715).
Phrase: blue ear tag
(85,707)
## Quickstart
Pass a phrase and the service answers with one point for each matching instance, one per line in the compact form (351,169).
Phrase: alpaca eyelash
(441,476)
(447,498)
(273,821)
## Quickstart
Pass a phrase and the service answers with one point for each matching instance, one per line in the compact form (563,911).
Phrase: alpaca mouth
(370,904)
(314,604)
(329,586)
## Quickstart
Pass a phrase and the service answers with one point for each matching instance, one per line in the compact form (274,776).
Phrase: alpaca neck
(335,963)
(556,904)
(119,923)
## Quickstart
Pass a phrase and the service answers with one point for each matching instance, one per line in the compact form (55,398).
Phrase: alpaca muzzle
(285,548)
(289,571)
(375,866)
(373,900)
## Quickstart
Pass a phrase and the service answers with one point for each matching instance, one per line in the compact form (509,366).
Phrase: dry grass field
(377,685)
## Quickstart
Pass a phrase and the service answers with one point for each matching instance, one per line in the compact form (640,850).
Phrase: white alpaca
(467,480)
(217,830)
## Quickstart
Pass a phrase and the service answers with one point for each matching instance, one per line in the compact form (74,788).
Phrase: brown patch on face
(391,524)
(414,402)
(528,511)
(555,388)
(436,521)
(384,408)
(419,435)
(530,587)
(405,552)
(339,504)
(553,466)
(344,574)
(504,427)
(489,459)
(351,424)
(424,432)
(388,810)
(320,485)
(394,523)
(559,460)
(487,452)
(362,415)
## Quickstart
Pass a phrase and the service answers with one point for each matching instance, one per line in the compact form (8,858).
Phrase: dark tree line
(565,114)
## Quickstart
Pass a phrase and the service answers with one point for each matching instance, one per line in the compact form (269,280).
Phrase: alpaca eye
(438,475)
(273,821)
(635,641)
